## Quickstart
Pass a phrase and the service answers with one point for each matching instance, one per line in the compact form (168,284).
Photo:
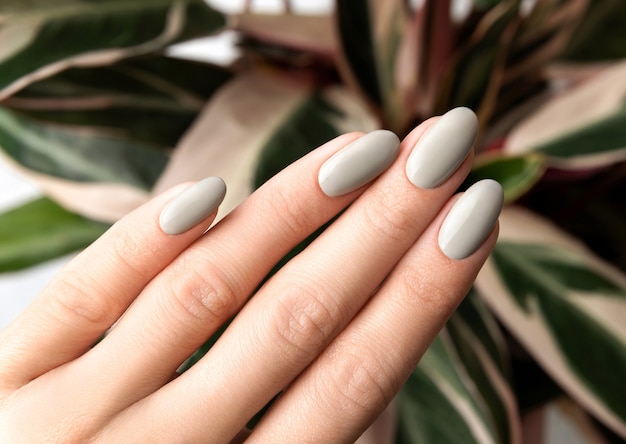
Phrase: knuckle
(291,218)
(302,323)
(360,382)
(203,297)
(75,297)
(132,254)
(433,297)
(388,218)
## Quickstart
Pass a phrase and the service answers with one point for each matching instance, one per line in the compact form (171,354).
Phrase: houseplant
(92,110)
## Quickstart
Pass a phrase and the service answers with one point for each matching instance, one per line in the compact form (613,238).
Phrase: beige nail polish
(358,163)
(443,147)
(471,219)
(192,205)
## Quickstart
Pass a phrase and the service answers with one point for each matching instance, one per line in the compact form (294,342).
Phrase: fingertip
(192,206)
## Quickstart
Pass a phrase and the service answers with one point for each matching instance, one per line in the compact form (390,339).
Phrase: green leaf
(476,314)
(581,128)
(546,277)
(605,136)
(309,126)
(600,36)
(42,230)
(517,174)
(485,4)
(474,76)
(152,99)
(78,155)
(426,414)
(566,307)
(357,42)
(54,36)
(457,394)
(377,50)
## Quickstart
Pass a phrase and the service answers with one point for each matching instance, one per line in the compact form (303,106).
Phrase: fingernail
(192,205)
(471,219)
(442,148)
(358,163)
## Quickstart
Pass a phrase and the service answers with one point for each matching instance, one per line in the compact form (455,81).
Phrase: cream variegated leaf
(566,306)
(47,37)
(583,127)
(377,56)
(460,392)
(97,139)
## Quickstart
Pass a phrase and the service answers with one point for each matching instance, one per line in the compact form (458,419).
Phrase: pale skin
(337,330)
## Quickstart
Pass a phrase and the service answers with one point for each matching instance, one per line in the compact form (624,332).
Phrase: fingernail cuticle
(192,205)
(358,163)
(471,219)
(442,148)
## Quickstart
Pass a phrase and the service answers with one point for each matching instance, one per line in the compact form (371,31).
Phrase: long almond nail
(192,206)
(358,163)
(442,148)
(471,219)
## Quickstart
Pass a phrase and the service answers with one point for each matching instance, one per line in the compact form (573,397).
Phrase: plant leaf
(595,38)
(49,37)
(475,73)
(311,33)
(78,155)
(566,306)
(517,174)
(261,117)
(457,394)
(584,127)
(377,53)
(152,99)
(475,313)
(98,175)
(42,230)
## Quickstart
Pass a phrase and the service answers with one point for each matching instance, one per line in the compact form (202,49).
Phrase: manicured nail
(471,219)
(192,205)
(442,148)
(358,163)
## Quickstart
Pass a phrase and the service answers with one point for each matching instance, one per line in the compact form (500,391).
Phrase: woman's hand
(337,330)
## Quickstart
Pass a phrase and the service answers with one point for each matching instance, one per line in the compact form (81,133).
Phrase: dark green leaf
(461,334)
(485,4)
(53,36)
(42,230)
(603,136)
(150,99)
(379,51)
(476,71)
(79,155)
(439,403)
(539,271)
(602,33)
(357,42)
(474,313)
(426,415)
(308,127)
(538,275)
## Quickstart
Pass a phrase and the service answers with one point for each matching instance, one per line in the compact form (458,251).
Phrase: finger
(95,288)
(295,315)
(183,306)
(355,378)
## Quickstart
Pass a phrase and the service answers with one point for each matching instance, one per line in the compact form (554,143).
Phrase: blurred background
(104,104)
